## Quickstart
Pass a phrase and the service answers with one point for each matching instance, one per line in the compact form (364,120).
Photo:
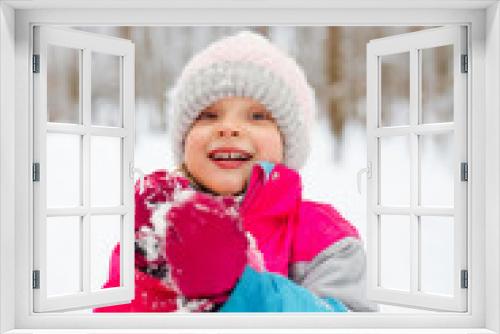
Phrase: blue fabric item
(270,292)
(335,304)
(267,167)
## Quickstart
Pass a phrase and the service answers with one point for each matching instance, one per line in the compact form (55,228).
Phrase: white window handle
(368,171)
(134,170)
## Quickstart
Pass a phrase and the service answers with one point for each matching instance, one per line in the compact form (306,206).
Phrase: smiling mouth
(230,156)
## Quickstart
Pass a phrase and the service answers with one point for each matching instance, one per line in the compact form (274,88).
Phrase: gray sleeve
(339,271)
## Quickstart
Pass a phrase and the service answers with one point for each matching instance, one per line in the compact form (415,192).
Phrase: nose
(228,132)
(229,128)
(230,124)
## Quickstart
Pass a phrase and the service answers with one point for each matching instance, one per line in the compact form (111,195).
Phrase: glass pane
(63,255)
(437,84)
(395,252)
(105,171)
(394,171)
(104,236)
(395,89)
(436,251)
(436,162)
(63,84)
(63,170)
(106,79)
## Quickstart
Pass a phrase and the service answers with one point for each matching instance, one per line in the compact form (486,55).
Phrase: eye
(261,115)
(207,115)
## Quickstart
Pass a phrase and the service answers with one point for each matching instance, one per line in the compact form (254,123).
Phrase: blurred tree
(333,58)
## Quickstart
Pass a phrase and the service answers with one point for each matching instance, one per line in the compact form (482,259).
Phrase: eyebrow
(258,106)
(218,107)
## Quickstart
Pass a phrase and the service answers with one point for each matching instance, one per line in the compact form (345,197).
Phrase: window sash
(85,43)
(412,43)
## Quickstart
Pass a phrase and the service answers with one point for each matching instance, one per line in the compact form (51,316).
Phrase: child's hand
(156,187)
(151,191)
(205,246)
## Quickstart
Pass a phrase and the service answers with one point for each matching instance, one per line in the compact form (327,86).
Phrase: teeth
(231,155)
(237,155)
(222,155)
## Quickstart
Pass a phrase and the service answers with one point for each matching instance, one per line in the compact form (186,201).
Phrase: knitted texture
(247,65)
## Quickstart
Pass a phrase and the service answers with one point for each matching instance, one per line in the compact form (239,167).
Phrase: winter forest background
(334,60)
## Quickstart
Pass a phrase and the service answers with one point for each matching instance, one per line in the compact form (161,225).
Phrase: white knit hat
(248,65)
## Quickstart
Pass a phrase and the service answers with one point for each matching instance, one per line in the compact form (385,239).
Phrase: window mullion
(414,171)
(86,110)
(81,130)
(421,129)
(419,211)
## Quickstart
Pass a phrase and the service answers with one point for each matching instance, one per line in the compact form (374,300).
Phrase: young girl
(228,230)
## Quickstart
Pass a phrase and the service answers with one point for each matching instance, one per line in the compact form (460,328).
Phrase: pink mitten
(156,187)
(153,189)
(205,246)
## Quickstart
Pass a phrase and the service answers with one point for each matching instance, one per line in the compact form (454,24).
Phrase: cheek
(194,144)
(271,146)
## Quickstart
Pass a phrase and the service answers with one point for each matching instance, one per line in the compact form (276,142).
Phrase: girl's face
(227,139)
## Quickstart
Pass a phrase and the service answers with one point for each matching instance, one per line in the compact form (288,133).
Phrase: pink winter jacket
(308,242)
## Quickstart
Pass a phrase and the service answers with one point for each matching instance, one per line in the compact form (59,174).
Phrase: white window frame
(16,128)
(86,43)
(412,44)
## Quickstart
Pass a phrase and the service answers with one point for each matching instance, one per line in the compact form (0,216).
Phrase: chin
(227,183)
(228,189)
